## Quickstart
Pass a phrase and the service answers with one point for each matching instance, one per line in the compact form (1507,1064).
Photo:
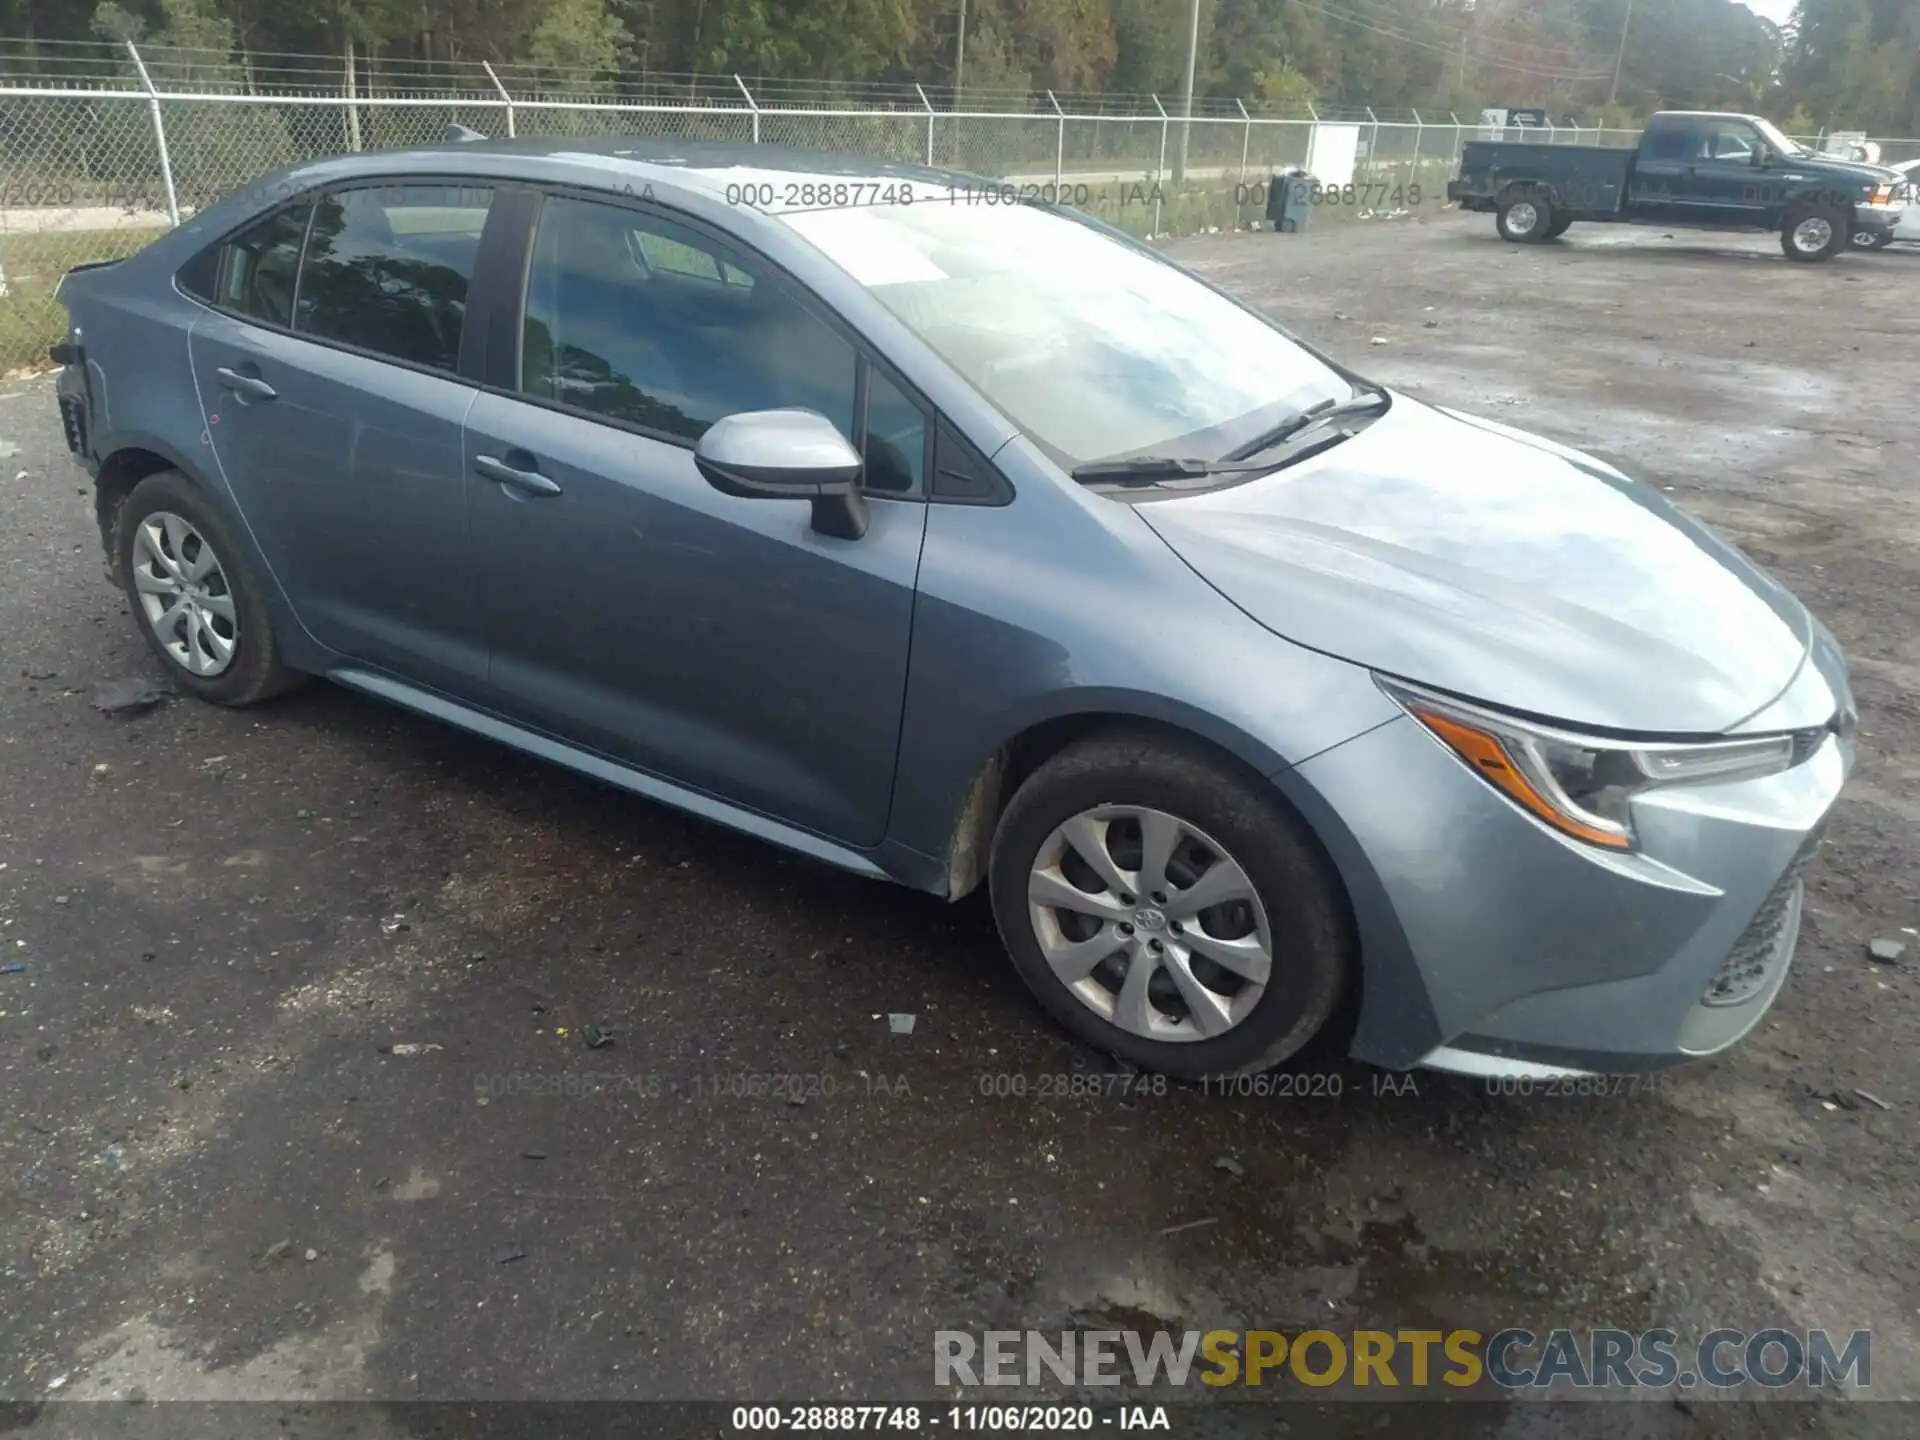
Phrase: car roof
(621,162)
(1708,115)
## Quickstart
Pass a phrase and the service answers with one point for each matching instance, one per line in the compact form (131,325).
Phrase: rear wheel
(193,594)
(1524,217)
(1814,235)
(1167,912)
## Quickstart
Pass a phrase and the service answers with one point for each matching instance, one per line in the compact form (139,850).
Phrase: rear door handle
(251,386)
(531,481)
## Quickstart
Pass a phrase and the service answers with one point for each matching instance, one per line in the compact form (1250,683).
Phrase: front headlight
(1881,195)
(1581,784)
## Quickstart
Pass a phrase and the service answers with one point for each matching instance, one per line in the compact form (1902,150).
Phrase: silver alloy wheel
(184,594)
(1150,923)
(1813,234)
(1522,218)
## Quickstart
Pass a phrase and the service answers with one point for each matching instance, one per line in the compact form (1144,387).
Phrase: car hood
(1858,170)
(1502,567)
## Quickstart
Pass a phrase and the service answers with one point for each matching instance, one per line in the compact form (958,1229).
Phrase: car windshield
(1094,348)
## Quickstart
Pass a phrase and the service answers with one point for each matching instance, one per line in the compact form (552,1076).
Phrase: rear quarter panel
(1589,180)
(133,326)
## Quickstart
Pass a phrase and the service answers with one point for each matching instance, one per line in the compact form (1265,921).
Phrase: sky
(1777,11)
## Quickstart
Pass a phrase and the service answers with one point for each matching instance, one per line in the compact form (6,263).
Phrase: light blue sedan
(956,542)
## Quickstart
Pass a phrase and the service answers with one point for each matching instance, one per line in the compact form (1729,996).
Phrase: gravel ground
(300,1099)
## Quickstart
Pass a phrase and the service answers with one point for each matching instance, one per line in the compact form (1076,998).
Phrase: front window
(1777,140)
(654,324)
(1733,142)
(1093,347)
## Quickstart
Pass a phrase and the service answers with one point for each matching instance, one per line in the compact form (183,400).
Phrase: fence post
(1373,145)
(1160,168)
(1246,137)
(351,87)
(928,104)
(159,134)
(750,105)
(487,65)
(1419,134)
(1059,141)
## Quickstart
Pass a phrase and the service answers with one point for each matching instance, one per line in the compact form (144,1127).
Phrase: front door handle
(250,386)
(531,481)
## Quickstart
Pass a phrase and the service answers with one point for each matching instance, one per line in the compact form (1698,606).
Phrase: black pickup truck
(1691,168)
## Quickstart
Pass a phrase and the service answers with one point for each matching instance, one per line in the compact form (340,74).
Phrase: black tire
(1838,232)
(1310,933)
(1525,216)
(255,670)
(1872,239)
(1559,227)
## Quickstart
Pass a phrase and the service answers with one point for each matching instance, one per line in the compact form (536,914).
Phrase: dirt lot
(227,1176)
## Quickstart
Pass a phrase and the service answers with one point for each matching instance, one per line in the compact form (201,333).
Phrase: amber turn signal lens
(1488,755)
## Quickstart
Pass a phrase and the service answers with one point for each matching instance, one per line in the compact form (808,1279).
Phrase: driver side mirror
(1762,157)
(787,455)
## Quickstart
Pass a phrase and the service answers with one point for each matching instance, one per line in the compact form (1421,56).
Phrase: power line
(1401,35)
(1382,12)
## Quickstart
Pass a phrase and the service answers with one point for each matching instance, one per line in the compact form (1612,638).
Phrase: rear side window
(640,320)
(387,269)
(254,272)
(1669,142)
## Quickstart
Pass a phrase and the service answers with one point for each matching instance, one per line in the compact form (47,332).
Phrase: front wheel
(1814,235)
(1872,239)
(1166,911)
(1559,227)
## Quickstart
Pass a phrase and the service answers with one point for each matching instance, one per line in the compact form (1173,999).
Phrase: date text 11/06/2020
(1079,194)
(1311,1085)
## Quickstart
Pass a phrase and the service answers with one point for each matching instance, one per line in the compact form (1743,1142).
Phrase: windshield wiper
(1150,469)
(1364,401)
(1160,469)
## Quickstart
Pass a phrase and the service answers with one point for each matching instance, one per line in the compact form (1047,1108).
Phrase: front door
(1728,188)
(719,642)
(336,417)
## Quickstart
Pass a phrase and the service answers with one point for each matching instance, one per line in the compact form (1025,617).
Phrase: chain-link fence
(103,147)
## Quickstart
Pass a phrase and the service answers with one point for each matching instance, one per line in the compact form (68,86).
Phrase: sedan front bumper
(1875,218)
(1496,945)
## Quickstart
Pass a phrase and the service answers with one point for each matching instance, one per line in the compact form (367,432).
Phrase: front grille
(1756,954)
(73,419)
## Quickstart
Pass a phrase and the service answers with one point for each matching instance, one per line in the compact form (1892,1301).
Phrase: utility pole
(1186,108)
(1613,90)
(960,52)
(1461,85)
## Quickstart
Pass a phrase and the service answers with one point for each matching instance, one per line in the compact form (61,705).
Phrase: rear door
(1660,182)
(720,642)
(330,376)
